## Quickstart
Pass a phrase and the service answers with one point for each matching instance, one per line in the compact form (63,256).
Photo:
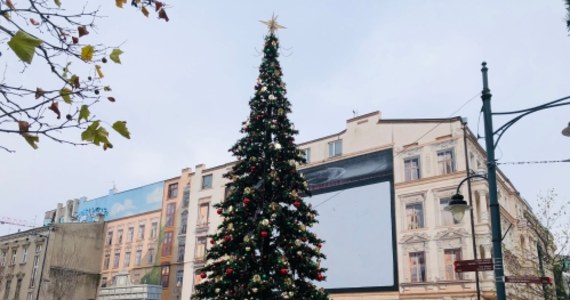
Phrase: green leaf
(96,135)
(115,55)
(87,53)
(65,93)
(83,113)
(32,140)
(121,128)
(57,2)
(24,45)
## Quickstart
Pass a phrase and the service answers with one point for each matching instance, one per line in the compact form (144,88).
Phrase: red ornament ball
(320,277)
(284,271)
(219,211)
(264,234)
(229,271)
(227,237)
(297,204)
(212,241)
(246,201)
(203,275)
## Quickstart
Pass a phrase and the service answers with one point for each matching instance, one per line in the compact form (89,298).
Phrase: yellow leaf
(99,72)
(32,140)
(65,93)
(115,55)
(10,4)
(57,2)
(87,53)
(144,11)
(119,3)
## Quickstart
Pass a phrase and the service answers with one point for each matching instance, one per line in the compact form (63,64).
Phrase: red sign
(528,279)
(473,265)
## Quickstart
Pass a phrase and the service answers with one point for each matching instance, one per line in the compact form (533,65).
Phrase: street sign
(473,265)
(528,279)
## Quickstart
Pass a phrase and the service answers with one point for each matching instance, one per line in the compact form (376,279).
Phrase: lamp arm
(467,178)
(501,130)
(535,108)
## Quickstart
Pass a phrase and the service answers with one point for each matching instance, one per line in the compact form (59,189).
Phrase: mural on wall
(122,204)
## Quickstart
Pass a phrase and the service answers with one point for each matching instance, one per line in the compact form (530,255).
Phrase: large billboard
(355,201)
(122,204)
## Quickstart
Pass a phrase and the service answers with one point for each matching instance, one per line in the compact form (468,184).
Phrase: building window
(207,181)
(203,213)
(412,168)
(306,153)
(181,249)
(186,197)
(167,244)
(417,267)
(30,296)
(445,216)
(14,256)
(445,161)
(415,215)
(7,289)
(120,236)
(449,257)
(130,234)
(110,238)
(335,148)
(154,229)
(127,259)
(164,274)
(172,190)
(170,209)
(200,251)
(3,258)
(141,232)
(183,222)
(116,260)
(179,277)
(150,255)
(106,261)
(24,255)
(138,257)
(38,249)
(34,270)
(18,288)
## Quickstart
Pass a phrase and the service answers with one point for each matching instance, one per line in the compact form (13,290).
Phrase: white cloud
(154,196)
(122,207)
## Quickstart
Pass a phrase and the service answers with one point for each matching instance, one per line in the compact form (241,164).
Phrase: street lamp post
(492,180)
(490,144)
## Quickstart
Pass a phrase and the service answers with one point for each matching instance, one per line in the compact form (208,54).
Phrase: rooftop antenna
(354,113)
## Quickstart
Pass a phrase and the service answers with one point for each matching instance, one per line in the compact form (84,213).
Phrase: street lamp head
(566,131)
(457,206)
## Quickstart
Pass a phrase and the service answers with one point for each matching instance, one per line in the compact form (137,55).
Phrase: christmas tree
(264,248)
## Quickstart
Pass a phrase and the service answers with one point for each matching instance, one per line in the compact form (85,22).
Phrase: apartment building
(59,261)
(413,253)
(174,226)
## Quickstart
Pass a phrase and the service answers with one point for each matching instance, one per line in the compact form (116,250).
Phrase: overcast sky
(184,86)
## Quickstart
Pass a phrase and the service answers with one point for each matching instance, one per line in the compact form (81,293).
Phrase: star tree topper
(272,24)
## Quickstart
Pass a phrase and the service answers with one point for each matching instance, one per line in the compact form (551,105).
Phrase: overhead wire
(419,138)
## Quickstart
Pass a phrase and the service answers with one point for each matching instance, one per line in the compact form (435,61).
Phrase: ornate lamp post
(459,206)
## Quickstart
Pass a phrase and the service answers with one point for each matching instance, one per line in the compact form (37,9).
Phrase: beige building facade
(130,246)
(59,261)
(430,159)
